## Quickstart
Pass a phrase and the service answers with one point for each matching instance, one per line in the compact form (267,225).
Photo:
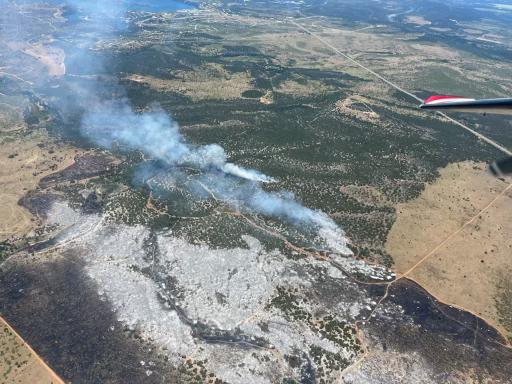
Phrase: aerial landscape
(247,192)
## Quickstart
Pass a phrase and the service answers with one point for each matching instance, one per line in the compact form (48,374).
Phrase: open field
(53,59)
(466,270)
(26,158)
(203,83)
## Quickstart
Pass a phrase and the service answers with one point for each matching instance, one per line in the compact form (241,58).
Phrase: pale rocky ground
(227,290)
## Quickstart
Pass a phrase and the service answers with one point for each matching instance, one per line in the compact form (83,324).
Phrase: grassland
(466,270)
(27,158)
(203,83)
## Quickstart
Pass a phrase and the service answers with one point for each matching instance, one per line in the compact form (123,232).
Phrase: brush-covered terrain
(227,192)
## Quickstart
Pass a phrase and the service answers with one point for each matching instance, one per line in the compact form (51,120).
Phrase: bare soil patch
(418,20)
(207,82)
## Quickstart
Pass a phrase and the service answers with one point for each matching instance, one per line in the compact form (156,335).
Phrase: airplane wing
(498,168)
(463,104)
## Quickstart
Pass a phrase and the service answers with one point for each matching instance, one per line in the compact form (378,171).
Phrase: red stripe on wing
(442,97)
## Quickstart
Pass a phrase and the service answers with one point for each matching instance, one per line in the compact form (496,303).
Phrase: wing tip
(441,101)
(442,97)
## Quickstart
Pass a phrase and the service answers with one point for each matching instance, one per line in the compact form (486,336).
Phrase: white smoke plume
(110,120)
(158,136)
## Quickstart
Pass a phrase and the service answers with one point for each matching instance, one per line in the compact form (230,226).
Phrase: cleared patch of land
(51,57)
(465,271)
(418,20)
(304,88)
(357,107)
(207,82)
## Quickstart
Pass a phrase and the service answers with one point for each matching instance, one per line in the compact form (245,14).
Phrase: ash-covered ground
(121,302)
(207,193)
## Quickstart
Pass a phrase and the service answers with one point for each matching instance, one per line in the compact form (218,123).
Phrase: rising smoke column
(107,122)
(159,137)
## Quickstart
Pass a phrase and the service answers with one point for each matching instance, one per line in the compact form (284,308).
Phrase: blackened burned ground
(430,313)
(38,203)
(74,330)
(77,333)
(84,167)
(448,337)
